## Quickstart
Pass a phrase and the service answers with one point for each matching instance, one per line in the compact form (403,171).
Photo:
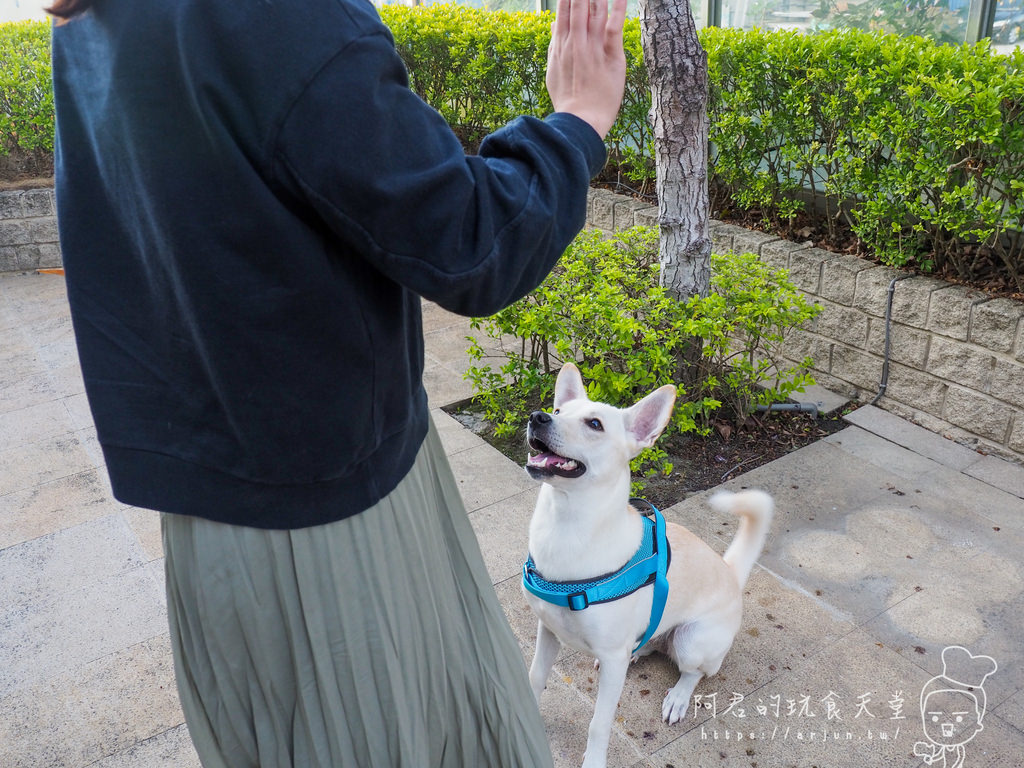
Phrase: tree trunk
(677,66)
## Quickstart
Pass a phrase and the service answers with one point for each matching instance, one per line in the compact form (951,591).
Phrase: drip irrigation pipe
(884,383)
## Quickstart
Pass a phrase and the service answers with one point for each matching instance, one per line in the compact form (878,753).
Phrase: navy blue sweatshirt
(251,202)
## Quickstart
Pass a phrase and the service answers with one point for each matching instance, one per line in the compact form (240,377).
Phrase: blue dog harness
(648,566)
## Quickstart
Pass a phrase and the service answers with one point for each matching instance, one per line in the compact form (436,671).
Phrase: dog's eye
(596,425)
(555,412)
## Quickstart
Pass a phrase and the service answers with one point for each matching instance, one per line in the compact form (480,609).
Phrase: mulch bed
(699,463)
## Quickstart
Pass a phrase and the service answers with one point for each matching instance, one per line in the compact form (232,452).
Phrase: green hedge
(918,147)
(26,94)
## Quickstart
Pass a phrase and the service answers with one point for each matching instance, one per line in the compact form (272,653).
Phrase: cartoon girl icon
(952,707)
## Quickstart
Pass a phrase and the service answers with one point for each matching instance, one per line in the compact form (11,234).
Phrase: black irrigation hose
(888,339)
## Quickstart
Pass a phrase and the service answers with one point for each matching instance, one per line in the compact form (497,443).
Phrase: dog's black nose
(540,417)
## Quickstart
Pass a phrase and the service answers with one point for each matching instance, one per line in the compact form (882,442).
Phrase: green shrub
(915,146)
(479,69)
(602,307)
(26,93)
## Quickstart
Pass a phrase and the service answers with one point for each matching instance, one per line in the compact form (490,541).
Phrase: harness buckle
(578,600)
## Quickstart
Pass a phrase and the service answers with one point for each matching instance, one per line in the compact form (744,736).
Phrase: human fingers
(597,17)
(613,27)
(579,17)
(560,26)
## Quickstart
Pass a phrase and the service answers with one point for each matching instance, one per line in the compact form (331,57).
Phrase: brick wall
(956,354)
(28,230)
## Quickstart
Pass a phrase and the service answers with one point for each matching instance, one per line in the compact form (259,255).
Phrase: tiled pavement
(889,544)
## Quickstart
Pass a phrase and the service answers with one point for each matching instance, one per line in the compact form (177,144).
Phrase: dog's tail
(754,508)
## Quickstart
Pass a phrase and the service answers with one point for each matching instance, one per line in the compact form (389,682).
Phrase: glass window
(942,20)
(1008,27)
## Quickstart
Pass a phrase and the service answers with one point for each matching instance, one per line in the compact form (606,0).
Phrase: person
(251,203)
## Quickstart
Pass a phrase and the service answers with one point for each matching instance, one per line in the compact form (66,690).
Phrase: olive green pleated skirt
(371,642)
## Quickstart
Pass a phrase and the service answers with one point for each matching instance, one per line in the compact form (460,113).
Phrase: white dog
(584,529)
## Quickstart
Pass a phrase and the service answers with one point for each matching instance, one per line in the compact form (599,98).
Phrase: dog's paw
(673,709)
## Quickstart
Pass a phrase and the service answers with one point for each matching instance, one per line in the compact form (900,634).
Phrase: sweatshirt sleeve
(391,181)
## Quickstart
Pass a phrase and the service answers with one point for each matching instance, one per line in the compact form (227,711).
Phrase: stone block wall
(28,230)
(956,355)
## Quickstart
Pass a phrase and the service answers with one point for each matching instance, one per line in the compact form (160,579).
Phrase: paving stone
(25,466)
(91,446)
(170,749)
(882,453)
(783,624)
(77,405)
(32,424)
(48,507)
(23,391)
(849,512)
(1011,711)
(486,477)
(518,614)
(917,439)
(46,567)
(824,399)
(94,710)
(762,652)
(444,384)
(953,611)
(155,570)
(40,639)
(999,473)
(638,716)
(959,492)
(831,710)
(567,713)
(454,436)
(144,525)
(503,532)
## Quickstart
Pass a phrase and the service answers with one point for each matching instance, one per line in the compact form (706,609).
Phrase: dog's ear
(569,385)
(646,420)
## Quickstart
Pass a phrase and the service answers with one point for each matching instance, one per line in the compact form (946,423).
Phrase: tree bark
(677,66)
